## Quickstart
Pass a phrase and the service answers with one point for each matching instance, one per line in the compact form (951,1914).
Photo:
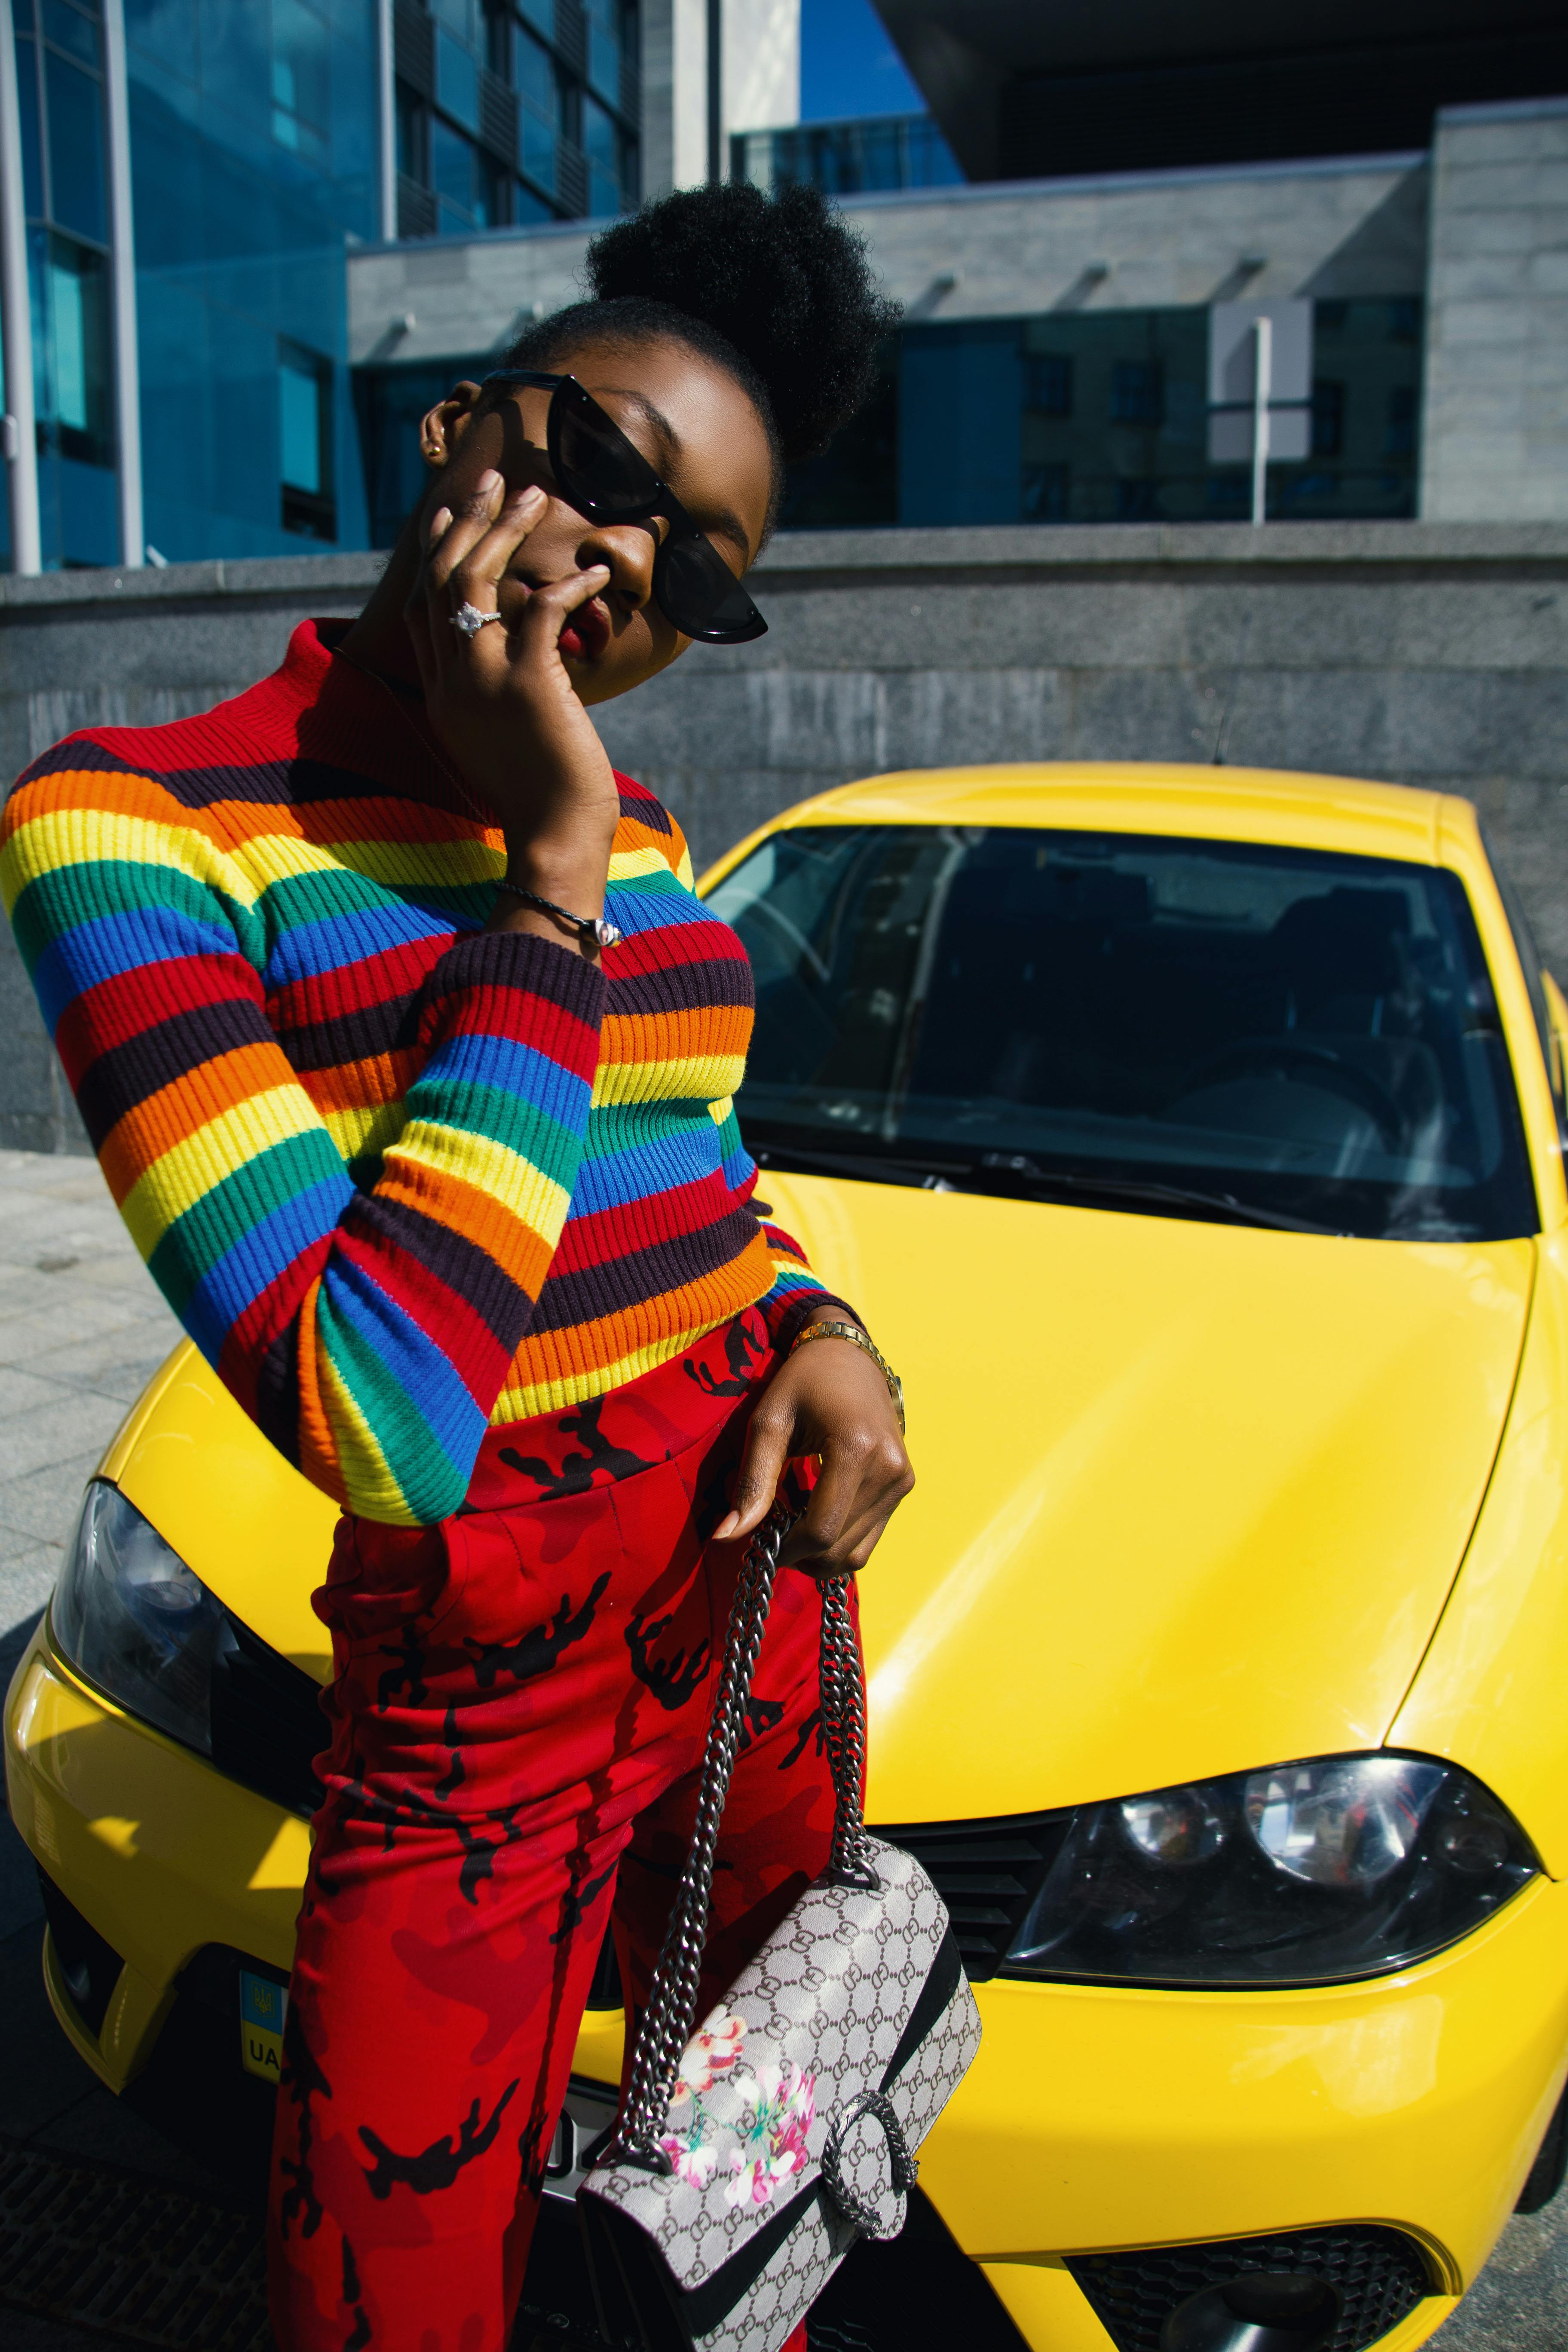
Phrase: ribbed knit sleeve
(796,1295)
(368,1332)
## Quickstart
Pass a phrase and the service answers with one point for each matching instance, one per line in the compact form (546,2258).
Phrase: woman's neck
(379,640)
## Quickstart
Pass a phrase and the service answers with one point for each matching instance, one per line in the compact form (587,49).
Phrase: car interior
(1198,1003)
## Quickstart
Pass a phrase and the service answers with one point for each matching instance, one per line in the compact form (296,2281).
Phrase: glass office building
(513,111)
(255,154)
(846,159)
(65,181)
(253,148)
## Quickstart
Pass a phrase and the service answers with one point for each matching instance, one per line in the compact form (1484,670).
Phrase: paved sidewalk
(81,1330)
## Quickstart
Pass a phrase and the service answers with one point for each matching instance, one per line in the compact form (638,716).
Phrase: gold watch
(857,1338)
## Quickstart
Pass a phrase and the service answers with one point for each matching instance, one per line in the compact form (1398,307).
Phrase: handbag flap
(856,1990)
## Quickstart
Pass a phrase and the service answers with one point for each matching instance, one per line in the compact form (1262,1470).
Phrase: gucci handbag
(751,2155)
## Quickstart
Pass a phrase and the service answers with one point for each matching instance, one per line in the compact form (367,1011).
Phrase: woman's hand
(502,701)
(827,1399)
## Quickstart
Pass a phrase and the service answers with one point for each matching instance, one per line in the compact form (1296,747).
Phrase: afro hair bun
(783,278)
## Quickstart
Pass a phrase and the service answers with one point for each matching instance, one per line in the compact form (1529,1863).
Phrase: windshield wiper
(1029,1181)
(866,1167)
(1027,1172)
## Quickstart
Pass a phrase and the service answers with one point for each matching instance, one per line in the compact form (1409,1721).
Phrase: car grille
(987,1873)
(267,1720)
(1380,2275)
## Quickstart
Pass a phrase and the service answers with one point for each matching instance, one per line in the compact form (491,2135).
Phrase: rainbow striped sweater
(399,1177)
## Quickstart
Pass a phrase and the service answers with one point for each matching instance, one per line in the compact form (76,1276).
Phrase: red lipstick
(587,633)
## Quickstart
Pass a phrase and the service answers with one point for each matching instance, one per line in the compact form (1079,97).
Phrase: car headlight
(1309,1872)
(134,1618)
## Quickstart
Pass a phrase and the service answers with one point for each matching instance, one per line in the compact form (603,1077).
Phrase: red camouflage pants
(520,1702)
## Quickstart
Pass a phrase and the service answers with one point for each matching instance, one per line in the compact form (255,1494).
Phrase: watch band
(857,1338)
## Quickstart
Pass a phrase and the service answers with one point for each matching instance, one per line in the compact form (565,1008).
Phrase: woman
(408,1054)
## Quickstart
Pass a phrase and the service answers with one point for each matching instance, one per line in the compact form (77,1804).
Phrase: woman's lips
(587,633)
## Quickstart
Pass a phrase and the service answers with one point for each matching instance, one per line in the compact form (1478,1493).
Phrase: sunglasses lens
(597,463)
(700,594)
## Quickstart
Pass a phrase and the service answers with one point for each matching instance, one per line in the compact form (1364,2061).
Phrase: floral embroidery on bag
(779,2102)
(694,2158)
(782,2100)
(707,2056)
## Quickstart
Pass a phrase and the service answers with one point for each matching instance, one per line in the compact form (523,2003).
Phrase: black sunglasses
(607,478)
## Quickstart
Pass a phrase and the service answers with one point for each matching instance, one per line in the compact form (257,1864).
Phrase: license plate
(263,2006)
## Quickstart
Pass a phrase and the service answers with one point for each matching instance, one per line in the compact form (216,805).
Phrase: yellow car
(1192,1140)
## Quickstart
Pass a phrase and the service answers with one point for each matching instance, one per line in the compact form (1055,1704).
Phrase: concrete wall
(1495,434)
(1331,229)
(1430,654)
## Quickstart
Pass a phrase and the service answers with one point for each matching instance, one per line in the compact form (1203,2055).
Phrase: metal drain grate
(143,2262)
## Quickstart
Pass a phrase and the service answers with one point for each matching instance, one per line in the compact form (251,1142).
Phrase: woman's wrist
(569,875)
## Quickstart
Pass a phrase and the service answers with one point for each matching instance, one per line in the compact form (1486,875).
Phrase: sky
(848,65)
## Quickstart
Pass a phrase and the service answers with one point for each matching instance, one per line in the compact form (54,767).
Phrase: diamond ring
(470,620)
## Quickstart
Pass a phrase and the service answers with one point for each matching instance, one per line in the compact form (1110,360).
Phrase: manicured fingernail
(726,1527)
(489,483)
(440,521)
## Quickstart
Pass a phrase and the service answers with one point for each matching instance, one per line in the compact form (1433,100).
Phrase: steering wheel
(1318,1066)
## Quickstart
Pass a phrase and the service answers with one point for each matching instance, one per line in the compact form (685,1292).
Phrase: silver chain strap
(666,2022)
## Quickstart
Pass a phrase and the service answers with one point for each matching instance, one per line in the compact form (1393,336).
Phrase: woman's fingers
(472,567)
(466,523)
(835,1501)
(844,1537)
(762,1467)
(548,610)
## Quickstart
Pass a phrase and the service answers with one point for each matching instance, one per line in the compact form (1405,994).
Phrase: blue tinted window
(601,140)
(533,75)
(1137,392)
(67,309)
(299,422)
(605,48)
(76,148)
(541,13)
(70,30)
(32,159)
(1047,384)
(165,29)
(76,400)
(1399,441)
(537,149)
(452,166)
(84,523)
(456,81)
(301,78)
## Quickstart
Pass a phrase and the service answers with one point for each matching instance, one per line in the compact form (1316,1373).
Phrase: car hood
(1190,1496)
(1190,1499)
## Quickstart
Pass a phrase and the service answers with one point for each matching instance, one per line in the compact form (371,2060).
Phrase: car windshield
(1206,1027)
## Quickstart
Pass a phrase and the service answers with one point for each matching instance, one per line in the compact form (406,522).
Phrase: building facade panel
(1497,349)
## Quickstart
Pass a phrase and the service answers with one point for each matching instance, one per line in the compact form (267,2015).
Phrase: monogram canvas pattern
(816,2018)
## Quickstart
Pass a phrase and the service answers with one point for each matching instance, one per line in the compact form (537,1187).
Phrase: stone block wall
(1495,430)
(1427,654)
